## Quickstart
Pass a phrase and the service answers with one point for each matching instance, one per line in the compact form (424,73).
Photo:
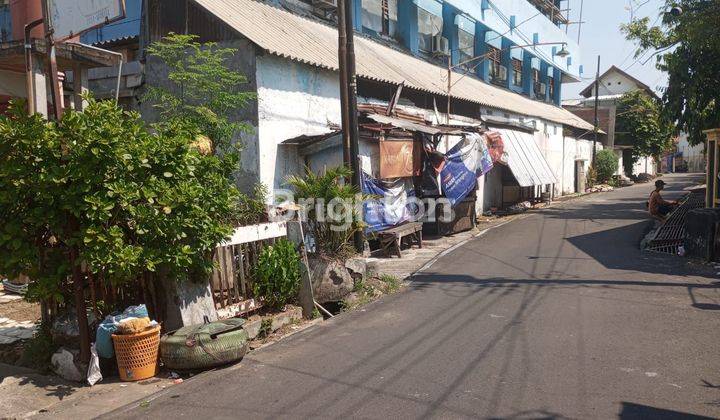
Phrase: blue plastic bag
(103,336)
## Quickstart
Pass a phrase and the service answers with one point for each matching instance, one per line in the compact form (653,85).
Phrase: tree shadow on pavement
(618,249)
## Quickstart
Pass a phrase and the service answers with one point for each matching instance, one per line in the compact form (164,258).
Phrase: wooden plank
(241,270)
(259,232)
(234,272)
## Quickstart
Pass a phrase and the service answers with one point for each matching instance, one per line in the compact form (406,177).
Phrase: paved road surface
(556,315)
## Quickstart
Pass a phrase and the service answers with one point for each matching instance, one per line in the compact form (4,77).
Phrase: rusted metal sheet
(399,159)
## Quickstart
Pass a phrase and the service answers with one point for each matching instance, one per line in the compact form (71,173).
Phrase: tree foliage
(331,215)
(641,124)
(205,90)
(277,275)
(687,47)
(100,185)
(606,164)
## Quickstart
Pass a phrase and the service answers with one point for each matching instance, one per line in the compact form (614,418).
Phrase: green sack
(204,346)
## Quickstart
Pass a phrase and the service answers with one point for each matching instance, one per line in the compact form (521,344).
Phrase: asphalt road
(555,315)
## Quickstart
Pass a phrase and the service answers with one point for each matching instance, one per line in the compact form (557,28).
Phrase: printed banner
(390,208)
(464,163)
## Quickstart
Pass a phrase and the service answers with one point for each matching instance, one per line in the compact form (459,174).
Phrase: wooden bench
(391,239)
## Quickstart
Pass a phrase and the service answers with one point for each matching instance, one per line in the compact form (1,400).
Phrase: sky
(600,34)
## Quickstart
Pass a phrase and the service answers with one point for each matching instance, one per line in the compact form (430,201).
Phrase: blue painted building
(512,34)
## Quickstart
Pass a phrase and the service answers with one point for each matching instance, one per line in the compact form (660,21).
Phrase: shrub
(331,230)
(99,188)
(277,275)
(606,164)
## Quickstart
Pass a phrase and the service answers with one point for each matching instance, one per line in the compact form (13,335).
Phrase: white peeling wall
(293,99)
(549,139)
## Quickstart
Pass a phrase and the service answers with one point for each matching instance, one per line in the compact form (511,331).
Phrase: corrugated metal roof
(300,39)
(413,126)
(525,159)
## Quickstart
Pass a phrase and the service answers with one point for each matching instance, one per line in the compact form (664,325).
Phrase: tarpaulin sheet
(390,208)
(464,163)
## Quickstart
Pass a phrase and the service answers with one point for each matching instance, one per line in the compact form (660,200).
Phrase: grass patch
(392,282)
(38,350)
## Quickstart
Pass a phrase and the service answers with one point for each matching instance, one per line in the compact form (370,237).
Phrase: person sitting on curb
(658,207)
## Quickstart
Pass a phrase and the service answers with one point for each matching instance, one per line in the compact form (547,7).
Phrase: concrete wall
(645,165)
(293,99)
(156,74)
(615,84)
(492,186)
(333,156)
(693,155)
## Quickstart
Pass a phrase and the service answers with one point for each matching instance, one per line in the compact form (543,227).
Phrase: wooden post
(295,235)
(80,86)
(711,169)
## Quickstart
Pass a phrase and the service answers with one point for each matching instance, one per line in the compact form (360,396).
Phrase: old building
(612,85)
(509,61)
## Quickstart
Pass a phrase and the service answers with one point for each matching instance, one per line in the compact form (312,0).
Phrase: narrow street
(555,315)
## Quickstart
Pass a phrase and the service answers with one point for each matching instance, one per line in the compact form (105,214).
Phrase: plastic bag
(103,336)
(93,374)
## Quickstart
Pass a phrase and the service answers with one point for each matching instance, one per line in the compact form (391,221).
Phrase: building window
(466,48)
(498,72)
(517,72)
(551,87)
(538,87)
(429,25)
(380,16)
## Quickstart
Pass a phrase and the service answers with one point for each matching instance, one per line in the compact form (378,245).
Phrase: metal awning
(12,55)
(525,159)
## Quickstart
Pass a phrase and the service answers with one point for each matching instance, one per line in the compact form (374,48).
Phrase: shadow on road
(697,292)
(632,411)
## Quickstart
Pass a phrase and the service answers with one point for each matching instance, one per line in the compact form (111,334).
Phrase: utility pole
(597,122)
(52,62)
(342,67)
(348,101)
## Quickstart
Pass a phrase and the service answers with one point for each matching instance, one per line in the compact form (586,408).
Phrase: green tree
(205,91)
(642,125)
(98,189)
(606,164)
(687,46)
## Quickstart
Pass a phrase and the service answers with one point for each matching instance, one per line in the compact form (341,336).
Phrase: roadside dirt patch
(20,310)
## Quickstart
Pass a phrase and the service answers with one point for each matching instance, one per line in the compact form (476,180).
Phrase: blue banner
(390,207)
(464,163)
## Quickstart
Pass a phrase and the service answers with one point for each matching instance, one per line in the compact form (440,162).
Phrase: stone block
(285,318)
(187,302)
(331,281)
(4,339)
(252,326)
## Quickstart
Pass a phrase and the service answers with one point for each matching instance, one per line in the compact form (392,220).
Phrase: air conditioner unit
(440,45)
(503,74)
(325,4)
(540,88)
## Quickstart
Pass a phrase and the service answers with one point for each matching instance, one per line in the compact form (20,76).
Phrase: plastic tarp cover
(525,159)
(464,163)
(390,207)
